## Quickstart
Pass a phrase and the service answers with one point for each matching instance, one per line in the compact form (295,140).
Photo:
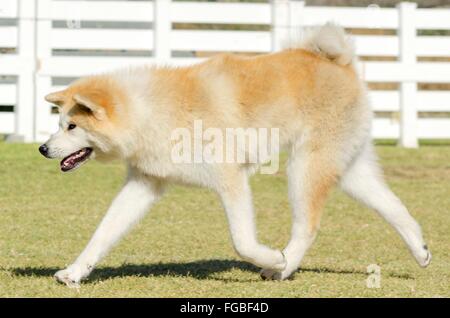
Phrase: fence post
(43,83)
(408,88)
(280,23)
(295,18)
(162,25)
(24,111)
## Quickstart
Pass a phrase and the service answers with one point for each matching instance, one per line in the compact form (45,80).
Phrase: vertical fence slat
(280,23)
(295,18)
(162,25)
(408,89)
(24,112)
(43,83)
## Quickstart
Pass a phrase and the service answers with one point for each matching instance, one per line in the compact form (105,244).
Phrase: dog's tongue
(73,160)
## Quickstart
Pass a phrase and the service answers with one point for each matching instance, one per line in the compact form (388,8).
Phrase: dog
(310,91)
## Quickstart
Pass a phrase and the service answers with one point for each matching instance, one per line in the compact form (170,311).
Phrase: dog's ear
(91,104)
(56,98)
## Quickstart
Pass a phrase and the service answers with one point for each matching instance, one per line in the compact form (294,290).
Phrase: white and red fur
(310,91)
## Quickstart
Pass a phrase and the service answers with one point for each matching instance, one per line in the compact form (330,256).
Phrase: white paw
(424,257)
(71,276)
(278,272)
(281,265)
(270,274)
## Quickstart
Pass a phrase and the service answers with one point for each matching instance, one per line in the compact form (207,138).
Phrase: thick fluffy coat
(310,91)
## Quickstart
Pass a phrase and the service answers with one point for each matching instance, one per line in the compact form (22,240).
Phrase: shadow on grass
(324,270)
(199,269)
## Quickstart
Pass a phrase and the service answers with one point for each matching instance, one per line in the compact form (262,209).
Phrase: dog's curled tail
(329,41)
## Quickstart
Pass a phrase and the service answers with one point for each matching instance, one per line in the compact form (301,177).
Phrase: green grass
(182,248)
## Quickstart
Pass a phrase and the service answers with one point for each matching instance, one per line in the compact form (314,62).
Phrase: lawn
(182,248)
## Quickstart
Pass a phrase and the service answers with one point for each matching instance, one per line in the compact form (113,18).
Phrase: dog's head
(89,114)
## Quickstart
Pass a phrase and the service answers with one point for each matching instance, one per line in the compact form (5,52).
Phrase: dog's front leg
(135,198)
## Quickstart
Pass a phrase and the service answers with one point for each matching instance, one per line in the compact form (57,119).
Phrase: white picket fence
(48,45)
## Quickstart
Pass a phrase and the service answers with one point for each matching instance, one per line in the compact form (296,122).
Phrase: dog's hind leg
(130,205)
(237,201)
(311,174)
(364,182)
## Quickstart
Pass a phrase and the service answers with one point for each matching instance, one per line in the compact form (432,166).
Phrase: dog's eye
(72,126)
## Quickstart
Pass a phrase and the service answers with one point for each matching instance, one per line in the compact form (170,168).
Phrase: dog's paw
(277,272)
(281,265)
(270,274)
(71,276)
(424,257)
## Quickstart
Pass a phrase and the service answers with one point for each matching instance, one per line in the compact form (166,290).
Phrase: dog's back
(310,86)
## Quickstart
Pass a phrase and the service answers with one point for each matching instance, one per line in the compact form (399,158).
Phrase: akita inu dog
(310,91)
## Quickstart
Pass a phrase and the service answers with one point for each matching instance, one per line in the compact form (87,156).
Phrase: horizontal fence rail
(47,43)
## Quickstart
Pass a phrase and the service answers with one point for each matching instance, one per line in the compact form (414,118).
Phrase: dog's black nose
(43,149)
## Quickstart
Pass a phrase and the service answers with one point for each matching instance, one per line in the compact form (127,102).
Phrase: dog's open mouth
(75,159)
